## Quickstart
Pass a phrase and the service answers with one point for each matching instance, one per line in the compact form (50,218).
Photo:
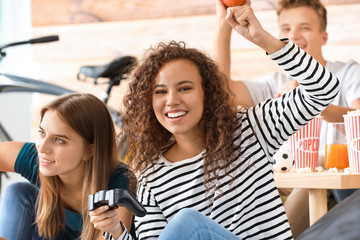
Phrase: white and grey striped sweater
(252,209)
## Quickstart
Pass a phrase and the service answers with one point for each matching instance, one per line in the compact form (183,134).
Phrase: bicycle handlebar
(32,41)
(45,39)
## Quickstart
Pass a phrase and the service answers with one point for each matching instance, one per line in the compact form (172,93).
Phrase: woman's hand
(107,220)
(244,21)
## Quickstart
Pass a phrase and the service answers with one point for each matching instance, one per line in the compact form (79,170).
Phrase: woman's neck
(71,195)
(71,190)
(73,180)
(184,148)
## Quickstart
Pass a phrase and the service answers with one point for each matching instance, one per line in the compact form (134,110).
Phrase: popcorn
(333,170)
(303,170)
(304,144)
(354,113)
(319,169)
(347,170)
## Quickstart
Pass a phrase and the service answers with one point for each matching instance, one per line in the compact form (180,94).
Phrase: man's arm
(223,57)
(335,113)
(222,40)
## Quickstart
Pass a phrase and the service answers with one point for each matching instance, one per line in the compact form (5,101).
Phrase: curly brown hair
(147,138)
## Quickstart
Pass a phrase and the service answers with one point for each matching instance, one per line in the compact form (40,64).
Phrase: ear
(89,152)
(324,37)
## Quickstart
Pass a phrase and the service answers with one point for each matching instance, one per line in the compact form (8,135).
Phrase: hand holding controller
(115,198)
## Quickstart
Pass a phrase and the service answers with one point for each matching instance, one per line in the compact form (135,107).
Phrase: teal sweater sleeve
(26,163)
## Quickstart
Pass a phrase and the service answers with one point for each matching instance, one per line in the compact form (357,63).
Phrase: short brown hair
(314,4)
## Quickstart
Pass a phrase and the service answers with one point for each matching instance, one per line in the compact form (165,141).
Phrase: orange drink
(336,155)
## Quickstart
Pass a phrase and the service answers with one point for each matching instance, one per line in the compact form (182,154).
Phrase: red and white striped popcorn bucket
(304,144)
(352,129)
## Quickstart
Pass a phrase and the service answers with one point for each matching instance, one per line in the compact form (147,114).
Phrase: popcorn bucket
(352,129)
(304,144)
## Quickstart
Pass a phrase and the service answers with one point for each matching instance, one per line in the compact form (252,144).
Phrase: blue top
(27,165)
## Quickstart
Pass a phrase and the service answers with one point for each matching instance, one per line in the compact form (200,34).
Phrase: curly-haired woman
(204,168)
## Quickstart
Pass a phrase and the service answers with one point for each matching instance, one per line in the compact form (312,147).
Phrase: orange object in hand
(336,155)
(233,3)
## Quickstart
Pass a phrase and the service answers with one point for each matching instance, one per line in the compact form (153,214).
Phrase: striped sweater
(250,206)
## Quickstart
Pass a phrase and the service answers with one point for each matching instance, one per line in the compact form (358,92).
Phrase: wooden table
(317,183)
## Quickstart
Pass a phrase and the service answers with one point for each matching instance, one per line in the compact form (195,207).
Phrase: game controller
(115,198)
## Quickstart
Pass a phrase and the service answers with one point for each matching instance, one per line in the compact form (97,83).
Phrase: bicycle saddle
(116,68)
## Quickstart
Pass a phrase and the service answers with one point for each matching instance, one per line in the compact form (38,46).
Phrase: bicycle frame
(12,83)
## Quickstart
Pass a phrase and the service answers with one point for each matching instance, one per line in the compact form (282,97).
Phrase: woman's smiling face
(178,97)
(61,150)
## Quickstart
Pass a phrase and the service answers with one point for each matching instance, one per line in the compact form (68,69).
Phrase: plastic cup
(336,153)
(352,129)
(304,144)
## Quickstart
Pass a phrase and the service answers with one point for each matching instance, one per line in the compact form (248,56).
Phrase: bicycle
(115,71)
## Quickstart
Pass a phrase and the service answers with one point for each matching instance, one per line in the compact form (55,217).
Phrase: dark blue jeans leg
(17,212)
(341,194)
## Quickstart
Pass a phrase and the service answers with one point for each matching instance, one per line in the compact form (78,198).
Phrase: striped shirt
(246,201)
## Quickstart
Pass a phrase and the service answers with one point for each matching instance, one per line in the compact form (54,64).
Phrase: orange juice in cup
(336,155)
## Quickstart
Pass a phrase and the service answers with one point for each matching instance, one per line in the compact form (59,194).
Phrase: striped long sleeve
(279,118)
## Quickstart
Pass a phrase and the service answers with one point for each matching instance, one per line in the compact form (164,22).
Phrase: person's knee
(18,210)
(187,218)
(19,190)
(189,215)
(341,194)
(184,224)
(16,188)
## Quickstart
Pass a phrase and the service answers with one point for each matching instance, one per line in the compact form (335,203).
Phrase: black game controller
(115,198)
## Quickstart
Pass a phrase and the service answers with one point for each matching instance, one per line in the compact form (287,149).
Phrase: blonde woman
(75,155)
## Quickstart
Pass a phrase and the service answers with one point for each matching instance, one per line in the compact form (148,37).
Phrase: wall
(94,32)
(85,11)
(98,43)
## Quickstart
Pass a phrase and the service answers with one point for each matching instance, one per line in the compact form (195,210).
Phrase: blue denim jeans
(189,224)
(341,194)
(17,213)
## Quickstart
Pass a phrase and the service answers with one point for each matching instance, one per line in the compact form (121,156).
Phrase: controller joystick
(115,198)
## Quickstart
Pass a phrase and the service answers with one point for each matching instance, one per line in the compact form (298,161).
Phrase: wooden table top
(317,180)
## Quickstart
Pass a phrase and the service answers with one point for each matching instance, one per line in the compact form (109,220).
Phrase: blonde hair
(90,118)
